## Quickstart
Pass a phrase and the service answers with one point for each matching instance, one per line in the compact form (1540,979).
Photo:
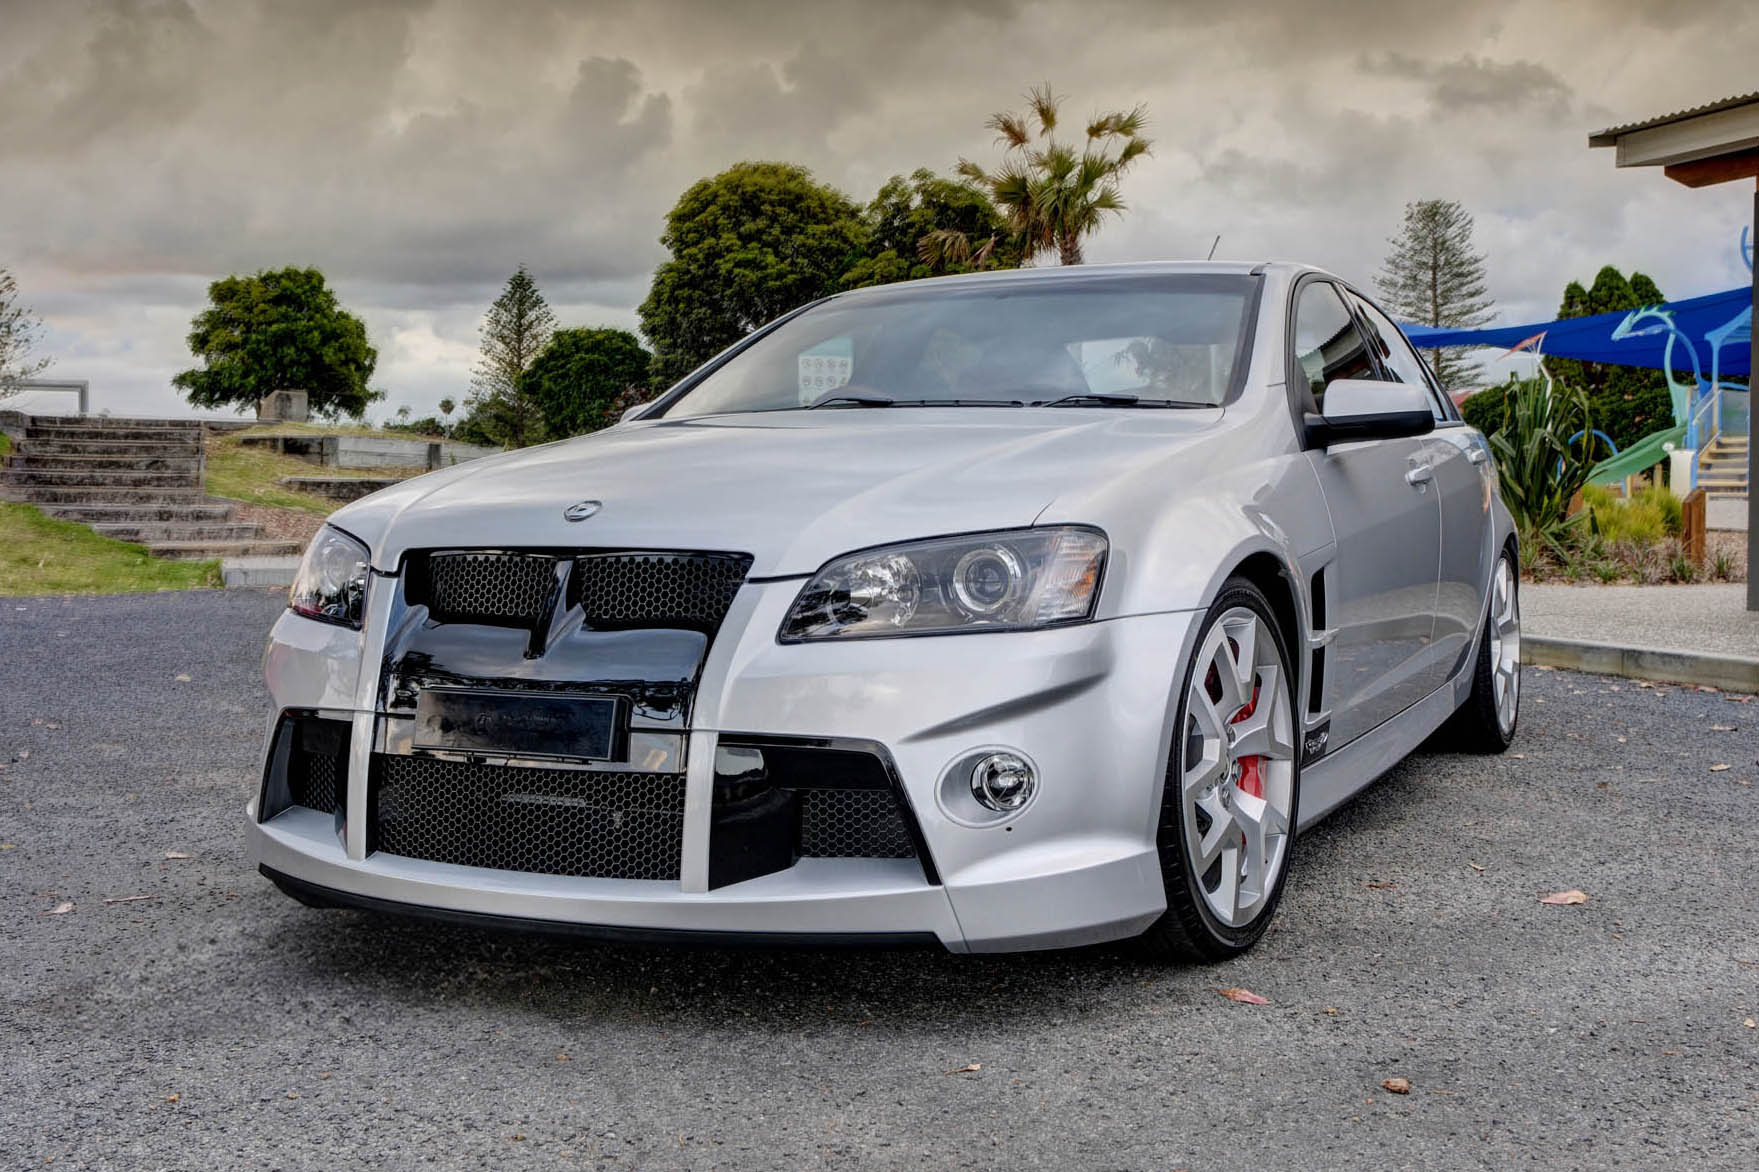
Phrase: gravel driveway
(219,1025)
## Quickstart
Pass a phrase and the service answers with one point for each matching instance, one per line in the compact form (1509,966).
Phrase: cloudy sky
(418,150)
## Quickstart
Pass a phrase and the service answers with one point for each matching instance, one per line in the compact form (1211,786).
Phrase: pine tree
(1432,277)
(515,330)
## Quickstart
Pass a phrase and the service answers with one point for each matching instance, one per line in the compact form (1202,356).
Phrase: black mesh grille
(495,588)
(690,590)
(853,824)
(313,781)
(602,824)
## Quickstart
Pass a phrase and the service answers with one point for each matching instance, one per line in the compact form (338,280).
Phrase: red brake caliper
(1251,779)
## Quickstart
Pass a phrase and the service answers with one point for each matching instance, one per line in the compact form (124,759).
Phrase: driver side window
(1328,345)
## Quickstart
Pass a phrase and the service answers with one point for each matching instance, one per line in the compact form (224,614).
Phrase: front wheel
(1486,722)
(1228,805)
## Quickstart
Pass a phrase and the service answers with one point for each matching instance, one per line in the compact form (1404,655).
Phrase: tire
(1486,722)
(1215,794)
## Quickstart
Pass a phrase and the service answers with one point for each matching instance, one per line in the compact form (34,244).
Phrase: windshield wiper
(1109,399)
(854,398)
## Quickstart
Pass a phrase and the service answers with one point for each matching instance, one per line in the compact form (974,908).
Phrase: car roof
(1285,269)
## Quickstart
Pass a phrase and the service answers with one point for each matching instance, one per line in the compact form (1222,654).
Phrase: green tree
(1627,402)
(1432,276)
(279,330)
(927,226)
(515,331)
(20,330)
(1055,194)
(747,245)
(581,374)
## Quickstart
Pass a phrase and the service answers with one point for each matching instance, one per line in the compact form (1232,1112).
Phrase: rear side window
(1401,362)
(1328,346)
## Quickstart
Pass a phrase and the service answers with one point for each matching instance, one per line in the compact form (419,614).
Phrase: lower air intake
(599,824)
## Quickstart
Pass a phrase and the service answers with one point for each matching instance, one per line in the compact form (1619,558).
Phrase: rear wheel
(1486,722)
(1228,806)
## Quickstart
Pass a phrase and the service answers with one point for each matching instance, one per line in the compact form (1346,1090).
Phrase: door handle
(1420,475)
(1477,455)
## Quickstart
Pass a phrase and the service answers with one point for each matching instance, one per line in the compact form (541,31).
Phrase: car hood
(790,488)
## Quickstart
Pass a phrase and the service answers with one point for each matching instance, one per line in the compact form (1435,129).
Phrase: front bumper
(1091,705)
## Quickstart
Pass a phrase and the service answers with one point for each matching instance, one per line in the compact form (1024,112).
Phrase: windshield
(1150,340)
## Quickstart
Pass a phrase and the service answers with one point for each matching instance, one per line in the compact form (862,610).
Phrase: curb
(1730,672)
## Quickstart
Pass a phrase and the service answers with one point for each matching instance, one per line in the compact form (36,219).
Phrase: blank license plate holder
(518,724)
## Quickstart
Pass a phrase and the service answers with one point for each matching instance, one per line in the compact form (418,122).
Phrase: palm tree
(1054,194)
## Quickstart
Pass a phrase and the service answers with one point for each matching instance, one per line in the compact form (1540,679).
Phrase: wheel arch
(1267,572)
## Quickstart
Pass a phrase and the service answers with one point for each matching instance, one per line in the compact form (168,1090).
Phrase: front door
(1461,470)
(1386,516)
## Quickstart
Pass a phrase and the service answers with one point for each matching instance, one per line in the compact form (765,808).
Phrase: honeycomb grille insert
(313,781)
(493,588)
(626,590)
(600,824)
(853,824)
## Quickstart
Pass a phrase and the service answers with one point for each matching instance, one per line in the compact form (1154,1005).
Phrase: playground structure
(1706,443)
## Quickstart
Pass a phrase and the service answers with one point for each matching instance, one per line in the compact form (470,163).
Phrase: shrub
(1539,469)
(1650,516)
(1484,409)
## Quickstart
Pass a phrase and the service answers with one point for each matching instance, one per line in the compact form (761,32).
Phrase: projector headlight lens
(1014,580)
(331,583)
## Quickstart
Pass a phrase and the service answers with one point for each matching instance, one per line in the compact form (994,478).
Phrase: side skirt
(1331,781)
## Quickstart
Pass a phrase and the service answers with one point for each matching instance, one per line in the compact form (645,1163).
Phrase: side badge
(1314,744)
(581,510)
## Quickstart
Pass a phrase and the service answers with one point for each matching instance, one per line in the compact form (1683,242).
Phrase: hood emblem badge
(581,510)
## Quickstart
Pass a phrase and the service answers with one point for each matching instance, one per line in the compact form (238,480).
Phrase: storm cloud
(418,150)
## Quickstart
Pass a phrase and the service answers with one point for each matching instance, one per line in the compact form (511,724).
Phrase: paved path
(220,1025)
(1708,619)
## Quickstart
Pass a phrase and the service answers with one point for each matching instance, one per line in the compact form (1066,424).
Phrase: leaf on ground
(8,846)
(968,1068)
(1750,1023)
(1380,885)
(60,909)
(1243,996)
(1565,898)
(181,678)
(1478,867)
(172,1098)
(1398,1086)
(130,898)
(178,855)
(1519,756)
(1721,767)
(1708,688)
(22,755)
(1722,728)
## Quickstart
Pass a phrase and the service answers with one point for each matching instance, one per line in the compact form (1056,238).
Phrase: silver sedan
(1010,611)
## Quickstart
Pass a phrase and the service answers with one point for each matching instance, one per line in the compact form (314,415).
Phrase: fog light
(1002,781)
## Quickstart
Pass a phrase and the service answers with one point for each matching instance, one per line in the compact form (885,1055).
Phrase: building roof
(1610,136)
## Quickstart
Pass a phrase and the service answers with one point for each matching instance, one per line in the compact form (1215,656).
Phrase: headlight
(1014,580)
(331,583)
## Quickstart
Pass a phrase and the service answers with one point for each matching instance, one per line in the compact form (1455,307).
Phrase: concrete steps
(203,513)
(201,551)
(177,532)
(99,478)
(28,459)
(135,480)
(176,448)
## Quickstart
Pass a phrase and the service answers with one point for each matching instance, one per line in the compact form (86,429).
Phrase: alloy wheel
(1505,646)
(1238,767)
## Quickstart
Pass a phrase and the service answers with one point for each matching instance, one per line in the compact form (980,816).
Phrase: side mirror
(632,413)
(1367,409)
